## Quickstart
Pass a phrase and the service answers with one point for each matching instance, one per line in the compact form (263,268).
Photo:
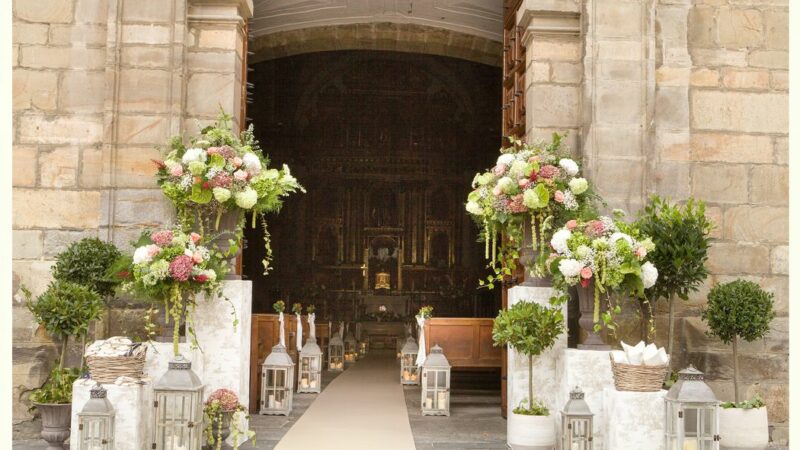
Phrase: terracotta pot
(528,257)
(56,420)
(594,340)
(225,432)
(531,432)
(743,429)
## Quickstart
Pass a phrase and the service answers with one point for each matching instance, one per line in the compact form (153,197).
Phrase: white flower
(246,198)
(559,241)
(578,185)
(210,274)
(143,253)
(251,163)
(569,166)
(649,274)
(505,159)
(570,268)
(517,169)
(569,201)
(474,208)
(583,252)
(618,235)
(194,154)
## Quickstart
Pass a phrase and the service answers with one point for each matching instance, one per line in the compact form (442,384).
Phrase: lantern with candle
(350,348)
(408,362)
(310,361)
(277,378)
(576,423)
(336,353)
(436,384)
(692,413)
(178,408)
(96,422)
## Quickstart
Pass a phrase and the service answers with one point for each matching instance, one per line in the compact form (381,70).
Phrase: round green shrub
(87,262)
(66,309)
(739,308)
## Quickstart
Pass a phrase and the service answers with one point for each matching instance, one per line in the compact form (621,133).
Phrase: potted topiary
(530,329)
(65,309)
(681,238)
(221,411)
(740,309)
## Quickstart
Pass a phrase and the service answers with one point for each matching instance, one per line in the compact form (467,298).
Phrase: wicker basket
(106,369)
(638,378)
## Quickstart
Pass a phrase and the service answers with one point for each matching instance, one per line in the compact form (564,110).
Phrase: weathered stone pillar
(215,70)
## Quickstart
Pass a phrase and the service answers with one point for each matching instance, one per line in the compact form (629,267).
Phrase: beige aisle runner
(363,408)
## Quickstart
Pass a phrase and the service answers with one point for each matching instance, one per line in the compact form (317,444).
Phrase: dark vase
(593,341)
(528,256)
(222,233)
(224,433)
(56,419)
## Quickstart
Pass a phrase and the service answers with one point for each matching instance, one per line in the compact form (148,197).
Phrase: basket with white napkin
(639,368)
(115,357)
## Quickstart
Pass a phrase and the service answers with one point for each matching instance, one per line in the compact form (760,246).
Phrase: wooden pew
(467,342)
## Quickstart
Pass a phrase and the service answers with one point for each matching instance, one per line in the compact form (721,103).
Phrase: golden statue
(382,280)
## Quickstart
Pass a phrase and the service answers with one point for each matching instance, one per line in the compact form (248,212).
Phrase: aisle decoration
(425,313)
(279,307)
(435,384)
(310,359)
(223,413)
(220,173)
(336,350)
(297,309)
(530,183)
(601,256)
(408,366)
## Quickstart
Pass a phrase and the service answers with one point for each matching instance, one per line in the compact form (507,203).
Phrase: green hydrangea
(197,168)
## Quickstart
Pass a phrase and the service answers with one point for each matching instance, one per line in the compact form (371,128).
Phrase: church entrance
(386,144)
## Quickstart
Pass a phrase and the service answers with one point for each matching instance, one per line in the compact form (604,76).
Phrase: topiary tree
(681,238)
(739,309)
(529,328)
(87,262)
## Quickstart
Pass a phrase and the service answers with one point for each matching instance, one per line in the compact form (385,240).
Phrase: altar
(374,304)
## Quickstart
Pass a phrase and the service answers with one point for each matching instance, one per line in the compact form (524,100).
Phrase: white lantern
(178,402)
(350,348)
(310,371)
(576,423)
(408,362)
(96,422)
(277,380)
(436,384)
(336,353)
(692,413)
(363,348)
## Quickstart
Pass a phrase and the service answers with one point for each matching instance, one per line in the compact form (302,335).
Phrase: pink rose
(572,224)
(237,162)
(176,170)
(153,250)
(523,183)
(559,196)
(240,175)
(195,237)
(499,170)
(641,252)
(497,191)
(586,273)
(197,258)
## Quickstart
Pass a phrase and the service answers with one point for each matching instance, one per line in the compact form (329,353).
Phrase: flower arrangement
(310,309)
(426,312)
(172,267)
(220,403)
(297,308)
(279,306)
(220,172)
(606,251)
(528,181)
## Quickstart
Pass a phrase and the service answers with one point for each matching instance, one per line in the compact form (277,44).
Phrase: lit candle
(278,404)
(304,382)
(313,383)
(441,400)
(690,445)
(429,403)
(271,402)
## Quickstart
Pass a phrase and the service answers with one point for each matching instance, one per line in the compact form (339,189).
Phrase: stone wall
(98,86)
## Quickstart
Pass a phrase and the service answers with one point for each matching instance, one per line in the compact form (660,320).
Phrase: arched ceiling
(481,18)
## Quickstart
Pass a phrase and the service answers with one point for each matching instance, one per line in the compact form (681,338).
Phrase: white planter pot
(743,429)
(531,432)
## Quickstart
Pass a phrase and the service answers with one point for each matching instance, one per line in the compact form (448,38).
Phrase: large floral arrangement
(221,402)
(528,181)
(218,172)
(172,267)
(607,251)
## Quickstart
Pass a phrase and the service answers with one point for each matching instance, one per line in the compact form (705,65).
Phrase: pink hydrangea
(222,179)
(227,151)
(162,238)
(181,267)
(176,170)
(516,205)
(548,171)
(227,399)
(595,228)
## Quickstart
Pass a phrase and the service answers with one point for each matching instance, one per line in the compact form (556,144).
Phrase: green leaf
(201,196)
(216,161)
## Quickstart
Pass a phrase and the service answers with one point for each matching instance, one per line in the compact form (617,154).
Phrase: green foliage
(279,306)
(57,388)
(426,312)
(538,408)
(65,308)
(87,262)
(297,308)
(739,308)
(528,327)
(310,309)
(754,403)
(681,238)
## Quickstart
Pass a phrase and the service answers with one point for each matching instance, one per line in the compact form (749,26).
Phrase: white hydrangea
(194,154)
(247,198)
(649,274)
(559,241)
(474,208)
(505,184)
(570,268)
(251,163)
(569,166)
(517,169)
(505,159)
(583,252)
(619,235)
(142,254)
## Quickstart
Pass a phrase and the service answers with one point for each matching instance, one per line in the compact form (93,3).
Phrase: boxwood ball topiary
(87,262)
(739,308)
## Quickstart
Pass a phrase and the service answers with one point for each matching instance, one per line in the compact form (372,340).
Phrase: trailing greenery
(57,388)
(739,309)
(753,403)
(530,329)
(681,238)
(65,309)
(87,262)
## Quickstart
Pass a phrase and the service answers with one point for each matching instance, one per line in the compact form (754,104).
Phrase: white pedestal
(633,420)
(132,417)
(591,371)
(545,380)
